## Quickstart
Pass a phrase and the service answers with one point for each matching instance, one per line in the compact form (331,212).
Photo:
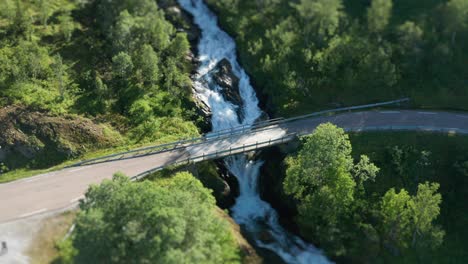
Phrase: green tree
(22,23)
(45,11)
(141,111)
(350,61)
(395,219)
(319,178)
(59,70)
(378,15)
(67,26)
(147,68)
(122,32)
(101,94)
(7,9)
(425,208)
(462,168)
(122,65)
(365,170)
(320,17)
(264,5)
(169,222)
(410,36)
(408,221)
(456,17)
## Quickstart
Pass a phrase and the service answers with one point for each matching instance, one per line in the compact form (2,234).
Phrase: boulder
(203,110)
(265,236)
(229,83)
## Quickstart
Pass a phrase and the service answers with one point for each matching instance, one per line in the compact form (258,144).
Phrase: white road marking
(389,112)
(32,179)
(427,113)
(74,200)
(75,170)
(29,179)
(33,213)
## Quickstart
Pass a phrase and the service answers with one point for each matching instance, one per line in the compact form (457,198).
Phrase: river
(254,215)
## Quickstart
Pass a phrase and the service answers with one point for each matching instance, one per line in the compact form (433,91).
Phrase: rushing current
(256,216)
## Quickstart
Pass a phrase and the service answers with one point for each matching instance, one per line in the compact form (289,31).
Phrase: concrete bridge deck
(60,189)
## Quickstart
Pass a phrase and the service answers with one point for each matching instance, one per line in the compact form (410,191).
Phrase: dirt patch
(42,248)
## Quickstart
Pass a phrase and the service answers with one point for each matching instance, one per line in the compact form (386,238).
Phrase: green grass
(445,150)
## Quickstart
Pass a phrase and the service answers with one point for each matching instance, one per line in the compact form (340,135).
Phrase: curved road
(63,188)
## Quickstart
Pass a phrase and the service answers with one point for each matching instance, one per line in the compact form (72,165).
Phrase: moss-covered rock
(39,139)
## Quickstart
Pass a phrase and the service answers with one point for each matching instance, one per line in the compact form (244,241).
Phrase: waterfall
(256,216)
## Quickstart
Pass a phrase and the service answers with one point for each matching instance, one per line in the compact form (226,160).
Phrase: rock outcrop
(204,111)
(43,139)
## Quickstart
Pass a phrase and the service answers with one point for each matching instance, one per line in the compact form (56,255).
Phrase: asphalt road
(61,189)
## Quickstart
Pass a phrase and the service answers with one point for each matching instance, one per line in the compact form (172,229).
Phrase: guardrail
(151,150)
(343,109)
(224,133)
(409,128)
(220,154)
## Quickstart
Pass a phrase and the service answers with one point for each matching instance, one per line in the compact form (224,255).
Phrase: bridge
(64,188)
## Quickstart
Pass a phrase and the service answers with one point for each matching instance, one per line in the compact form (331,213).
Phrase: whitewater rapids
(256,216)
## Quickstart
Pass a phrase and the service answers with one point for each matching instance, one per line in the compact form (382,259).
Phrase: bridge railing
(225,133)
(220,154)
(344,109)
(409,128)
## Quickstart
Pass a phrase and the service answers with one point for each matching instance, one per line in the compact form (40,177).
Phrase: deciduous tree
(408,221)
(378,15)
(320,17)
(169,222)
(319,178)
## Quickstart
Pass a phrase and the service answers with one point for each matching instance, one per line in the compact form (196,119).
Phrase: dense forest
(119,63)
(306,55)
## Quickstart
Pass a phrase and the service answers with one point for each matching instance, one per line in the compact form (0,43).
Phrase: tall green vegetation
(337,211)
(407,160)
(378,15)
(408,221)
(306,55)
(119,62)
(170,221)
(95,58)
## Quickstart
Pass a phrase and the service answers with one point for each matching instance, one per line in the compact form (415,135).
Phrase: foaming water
(256,216)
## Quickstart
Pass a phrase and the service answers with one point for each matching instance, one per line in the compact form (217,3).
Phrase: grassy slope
(446,150)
